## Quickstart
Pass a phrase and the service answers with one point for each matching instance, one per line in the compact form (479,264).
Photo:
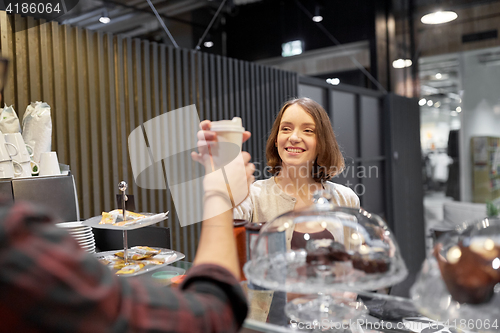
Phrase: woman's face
(296,141)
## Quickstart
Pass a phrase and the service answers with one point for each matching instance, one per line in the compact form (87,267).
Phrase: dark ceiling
(249,29)
(257,31)
(244,29)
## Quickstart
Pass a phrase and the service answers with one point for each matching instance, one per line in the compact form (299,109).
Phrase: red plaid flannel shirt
(48,283)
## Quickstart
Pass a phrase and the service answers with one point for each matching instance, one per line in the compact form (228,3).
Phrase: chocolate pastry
(325,255)
(370,263)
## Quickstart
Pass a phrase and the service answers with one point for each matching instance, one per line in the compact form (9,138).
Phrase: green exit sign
(291,48)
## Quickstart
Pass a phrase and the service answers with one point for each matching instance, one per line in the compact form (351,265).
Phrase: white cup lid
(233,125)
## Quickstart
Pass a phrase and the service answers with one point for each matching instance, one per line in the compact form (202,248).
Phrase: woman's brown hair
(329,160)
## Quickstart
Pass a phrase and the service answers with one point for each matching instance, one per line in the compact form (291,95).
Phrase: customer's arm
(48,283)
(217,244)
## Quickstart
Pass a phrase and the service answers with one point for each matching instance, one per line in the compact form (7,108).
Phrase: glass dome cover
(325,248)
(460,279)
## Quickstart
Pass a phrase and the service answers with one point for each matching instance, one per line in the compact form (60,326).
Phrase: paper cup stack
(83,234)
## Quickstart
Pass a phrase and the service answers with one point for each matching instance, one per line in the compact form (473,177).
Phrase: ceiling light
(104,17)
(437,104)
(401,63)
(438,76)
(422,102)
(317,17)
(430,102)
(459,109)
(439,17)
(208,43)
(334,81)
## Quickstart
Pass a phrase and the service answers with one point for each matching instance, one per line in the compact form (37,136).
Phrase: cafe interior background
(415,106)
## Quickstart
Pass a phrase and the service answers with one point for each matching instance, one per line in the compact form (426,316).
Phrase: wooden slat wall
(100,87)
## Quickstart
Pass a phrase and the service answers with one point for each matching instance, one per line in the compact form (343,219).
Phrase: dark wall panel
(371,142)
(405,190)
(343,116)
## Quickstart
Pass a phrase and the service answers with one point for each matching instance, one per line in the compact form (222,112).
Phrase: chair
(457,212)
(108,240)
(454,214)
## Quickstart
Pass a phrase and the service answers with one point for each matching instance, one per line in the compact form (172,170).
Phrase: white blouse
(267,200)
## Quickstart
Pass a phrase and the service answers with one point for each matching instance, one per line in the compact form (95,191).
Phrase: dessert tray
(460,284)
(163,258)
(139,259)
(94,222)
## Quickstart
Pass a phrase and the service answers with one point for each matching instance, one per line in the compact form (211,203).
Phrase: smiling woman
(303,155)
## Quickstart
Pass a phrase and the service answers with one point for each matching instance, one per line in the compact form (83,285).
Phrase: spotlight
(208,43)
(317,17)
(430,103)
(438,76)
(104,19)
(334,81)
(401,63)
(422,102)
(439,17)
(458,109)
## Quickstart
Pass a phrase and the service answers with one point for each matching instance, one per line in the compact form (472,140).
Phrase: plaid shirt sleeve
(48,283)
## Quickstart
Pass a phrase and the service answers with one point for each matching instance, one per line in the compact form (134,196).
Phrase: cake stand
(361,254)
(150,219)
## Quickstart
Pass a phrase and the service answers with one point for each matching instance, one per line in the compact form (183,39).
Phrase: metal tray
(176,256)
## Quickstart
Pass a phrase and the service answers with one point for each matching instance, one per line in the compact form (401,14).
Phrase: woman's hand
(238,173)
(206,138)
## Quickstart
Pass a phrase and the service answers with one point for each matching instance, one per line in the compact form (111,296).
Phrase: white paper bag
(9,122)
(37,128)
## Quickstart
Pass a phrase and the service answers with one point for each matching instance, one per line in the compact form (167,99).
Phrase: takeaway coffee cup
(229,141)
(229,131)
